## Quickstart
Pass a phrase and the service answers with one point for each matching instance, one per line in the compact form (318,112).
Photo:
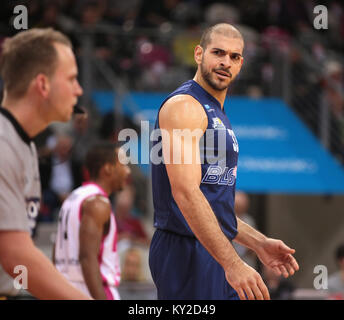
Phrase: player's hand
(275,254)
(246,282)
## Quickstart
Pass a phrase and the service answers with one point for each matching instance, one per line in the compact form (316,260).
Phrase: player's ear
(108,168)
(198,54)
(42,85)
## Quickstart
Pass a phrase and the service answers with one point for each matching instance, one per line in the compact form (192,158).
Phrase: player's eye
(235,57)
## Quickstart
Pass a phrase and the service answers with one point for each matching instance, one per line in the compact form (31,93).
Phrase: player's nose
(226,61)
(79,91)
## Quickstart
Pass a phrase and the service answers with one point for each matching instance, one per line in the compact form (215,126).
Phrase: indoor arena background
(286,108)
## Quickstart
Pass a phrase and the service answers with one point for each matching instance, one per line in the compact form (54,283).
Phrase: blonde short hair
(27,54)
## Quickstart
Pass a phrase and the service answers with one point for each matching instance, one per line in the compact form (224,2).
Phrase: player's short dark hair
(28,54)
(340,252)
(98,155)
(220,28)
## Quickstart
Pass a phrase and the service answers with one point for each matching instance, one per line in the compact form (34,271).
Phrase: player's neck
(103,185)
(26,114)
(218,95)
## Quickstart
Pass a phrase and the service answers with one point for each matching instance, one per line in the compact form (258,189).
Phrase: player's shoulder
(10,154)
(182,111)
(97,202)
(97,208)
(8,134)
(185,102)
(5,127)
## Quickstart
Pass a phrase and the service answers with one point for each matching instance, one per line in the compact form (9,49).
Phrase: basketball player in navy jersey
(191,254)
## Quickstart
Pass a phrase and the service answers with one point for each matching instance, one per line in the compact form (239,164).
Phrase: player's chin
(222,85)
(66,116)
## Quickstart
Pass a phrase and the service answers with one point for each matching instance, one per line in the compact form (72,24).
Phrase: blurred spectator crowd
(149,45)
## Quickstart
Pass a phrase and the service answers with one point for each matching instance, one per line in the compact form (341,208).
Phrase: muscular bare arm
(248,236)
(184,112)
(273,253)
(44,281)
(95,216)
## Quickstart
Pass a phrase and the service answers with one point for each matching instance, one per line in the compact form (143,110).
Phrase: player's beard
(216,85)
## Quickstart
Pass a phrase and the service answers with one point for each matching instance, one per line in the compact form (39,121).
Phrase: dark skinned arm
(95,217)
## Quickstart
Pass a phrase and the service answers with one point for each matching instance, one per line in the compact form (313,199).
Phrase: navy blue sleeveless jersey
(219,167)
